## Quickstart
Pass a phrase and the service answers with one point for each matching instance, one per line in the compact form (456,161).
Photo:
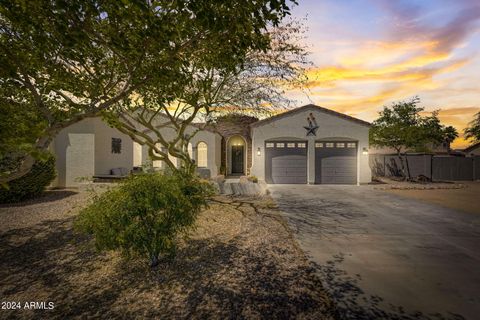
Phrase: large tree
(403,128)
(163,123)
(473,130)
(69,60)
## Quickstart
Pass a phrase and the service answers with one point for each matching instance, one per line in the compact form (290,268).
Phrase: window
(351,145)
(329,144)
(270,144)
(340,145)
(281,145)
(302,145)
(202,155)
(116,145)
(290,145)
(318,144)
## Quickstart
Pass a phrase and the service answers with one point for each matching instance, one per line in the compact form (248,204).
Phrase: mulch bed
(240,262)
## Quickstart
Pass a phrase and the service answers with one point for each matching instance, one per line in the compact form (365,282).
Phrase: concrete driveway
(382,256)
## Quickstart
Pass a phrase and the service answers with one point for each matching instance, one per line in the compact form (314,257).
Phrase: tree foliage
(145,214)
(403,128)
(255,86)
(69,60)
(473,130)
(32,184)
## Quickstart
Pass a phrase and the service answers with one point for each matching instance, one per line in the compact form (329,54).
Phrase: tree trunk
(408,167)
(402,164)
(28,162)
(154,261)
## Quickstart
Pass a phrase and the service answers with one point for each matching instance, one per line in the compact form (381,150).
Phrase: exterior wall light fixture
(258,151)
(365,151)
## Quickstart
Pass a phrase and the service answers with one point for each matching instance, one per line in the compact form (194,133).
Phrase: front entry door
(237,159)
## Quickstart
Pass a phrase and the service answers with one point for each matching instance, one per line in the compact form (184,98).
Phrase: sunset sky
(369,53)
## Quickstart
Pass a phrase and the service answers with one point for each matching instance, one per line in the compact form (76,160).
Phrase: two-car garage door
(335,162)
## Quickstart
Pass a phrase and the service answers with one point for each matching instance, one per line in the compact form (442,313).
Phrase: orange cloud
(405,71)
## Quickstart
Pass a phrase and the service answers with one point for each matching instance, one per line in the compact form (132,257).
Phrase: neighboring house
(473,150)
(310,144)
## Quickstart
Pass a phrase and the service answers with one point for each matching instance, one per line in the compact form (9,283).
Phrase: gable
(311,108)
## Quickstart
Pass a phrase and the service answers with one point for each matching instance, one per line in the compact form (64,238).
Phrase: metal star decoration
(312,126)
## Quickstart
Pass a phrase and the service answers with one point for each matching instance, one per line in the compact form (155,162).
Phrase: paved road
(386,257)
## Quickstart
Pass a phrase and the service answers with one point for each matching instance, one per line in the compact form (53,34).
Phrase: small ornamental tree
(163,123)
(403,128)
(145,214)
(473,130)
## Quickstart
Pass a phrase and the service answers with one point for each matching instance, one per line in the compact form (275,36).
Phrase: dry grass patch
(240,262)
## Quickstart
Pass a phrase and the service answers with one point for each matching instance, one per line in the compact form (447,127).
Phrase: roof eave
(311,106)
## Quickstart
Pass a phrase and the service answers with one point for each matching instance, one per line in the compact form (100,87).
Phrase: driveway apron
(382,256)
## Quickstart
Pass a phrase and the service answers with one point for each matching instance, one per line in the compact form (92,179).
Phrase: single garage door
(286,162)
(336,162)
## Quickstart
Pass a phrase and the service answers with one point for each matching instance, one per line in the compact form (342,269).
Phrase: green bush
(145,214)
(32,184)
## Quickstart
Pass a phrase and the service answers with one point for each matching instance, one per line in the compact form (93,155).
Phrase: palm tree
(473,129)
(449,134)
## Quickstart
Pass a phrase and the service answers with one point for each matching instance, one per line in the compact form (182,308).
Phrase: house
(309,144)
(473,150)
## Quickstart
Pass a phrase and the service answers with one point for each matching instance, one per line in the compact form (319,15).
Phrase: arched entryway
(236,155)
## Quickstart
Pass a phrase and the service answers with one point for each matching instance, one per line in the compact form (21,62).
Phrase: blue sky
(369,53)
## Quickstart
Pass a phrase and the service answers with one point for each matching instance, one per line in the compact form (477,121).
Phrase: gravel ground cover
(240,262)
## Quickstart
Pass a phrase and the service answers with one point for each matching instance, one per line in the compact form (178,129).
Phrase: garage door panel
(338,170)
(338,161)
(286,165)
(336,165)
(328,180)
(288,180)
(339,180)
(286,161)
(293,173)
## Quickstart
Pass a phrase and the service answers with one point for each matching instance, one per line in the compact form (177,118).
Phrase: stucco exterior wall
(74,149)
(292,127)
(213,141)
(84,149)
(105,160)
(137,154)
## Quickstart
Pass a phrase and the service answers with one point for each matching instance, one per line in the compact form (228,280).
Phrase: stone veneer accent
(232,125)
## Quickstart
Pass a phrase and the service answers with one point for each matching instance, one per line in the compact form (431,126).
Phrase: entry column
(311,160)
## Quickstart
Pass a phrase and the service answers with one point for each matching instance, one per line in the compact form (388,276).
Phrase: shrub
(145,214)
(32,184)
(253,179)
